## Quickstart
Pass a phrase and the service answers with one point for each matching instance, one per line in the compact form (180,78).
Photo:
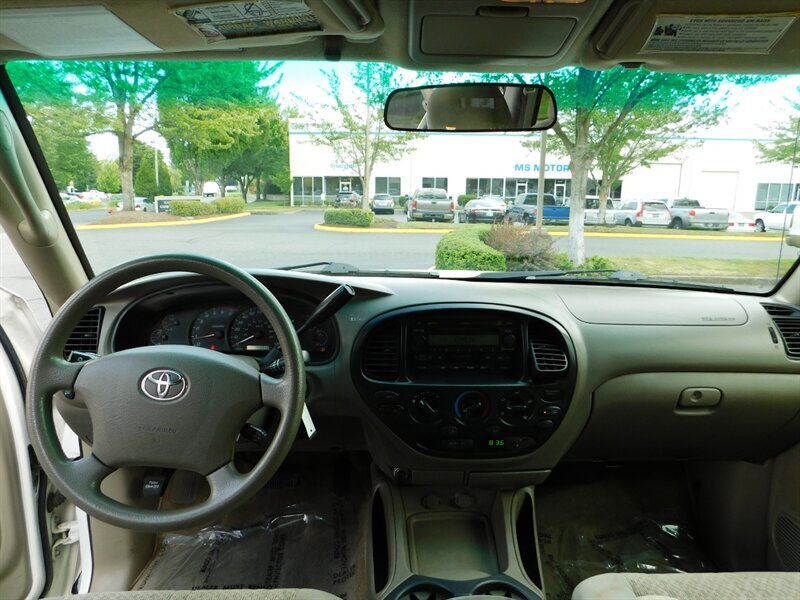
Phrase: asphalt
(288,239)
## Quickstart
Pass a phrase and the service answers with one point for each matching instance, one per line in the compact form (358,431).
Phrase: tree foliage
(61,124)
(352,125)
(145,182)
(108,177)
(785,144)
(602,114)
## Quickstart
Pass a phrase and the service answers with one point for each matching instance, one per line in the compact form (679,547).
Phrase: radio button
(459,444)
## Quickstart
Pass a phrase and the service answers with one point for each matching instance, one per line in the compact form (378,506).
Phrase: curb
(163,223)
(647,236)
(320,227)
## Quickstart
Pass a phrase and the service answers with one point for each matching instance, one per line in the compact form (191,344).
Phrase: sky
(752,109)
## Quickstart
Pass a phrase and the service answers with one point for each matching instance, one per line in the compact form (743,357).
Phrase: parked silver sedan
(643,213)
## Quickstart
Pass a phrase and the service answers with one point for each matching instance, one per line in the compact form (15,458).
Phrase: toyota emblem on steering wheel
(164,385)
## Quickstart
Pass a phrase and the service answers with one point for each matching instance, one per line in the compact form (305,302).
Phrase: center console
(464,380)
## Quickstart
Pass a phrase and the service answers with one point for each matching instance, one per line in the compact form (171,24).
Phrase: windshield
(275,164)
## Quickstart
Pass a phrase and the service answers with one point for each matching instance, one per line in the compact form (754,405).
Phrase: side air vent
(548,358)
(85,338)
(787,321)
(381,358)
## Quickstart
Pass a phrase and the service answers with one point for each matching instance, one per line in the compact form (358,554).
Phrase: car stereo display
(465,344)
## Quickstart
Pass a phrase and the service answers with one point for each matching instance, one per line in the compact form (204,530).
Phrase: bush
(82,206)
(464,198)
(191,208)
(228,206)
(402,200)
(596,263)
(353,217)
(465,249)
(523,248)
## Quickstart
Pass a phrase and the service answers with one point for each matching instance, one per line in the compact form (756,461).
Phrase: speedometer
(208,329)
(251,332)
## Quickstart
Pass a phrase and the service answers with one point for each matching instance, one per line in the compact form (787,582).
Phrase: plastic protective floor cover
(627,520)
(304,530)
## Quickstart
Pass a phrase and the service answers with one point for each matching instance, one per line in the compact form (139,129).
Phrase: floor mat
(305,529)
(598,520)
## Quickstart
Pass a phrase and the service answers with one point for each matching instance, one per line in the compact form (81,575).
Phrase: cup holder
(426,591)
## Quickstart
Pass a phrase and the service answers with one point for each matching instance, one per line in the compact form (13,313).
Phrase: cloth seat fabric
(282,594)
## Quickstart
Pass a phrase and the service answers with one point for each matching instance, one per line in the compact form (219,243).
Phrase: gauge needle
(250,337)
(208,335)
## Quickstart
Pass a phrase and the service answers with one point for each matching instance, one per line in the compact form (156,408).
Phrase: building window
(769,195)
(435,182)
(307,190)
(484,185)
(387,185)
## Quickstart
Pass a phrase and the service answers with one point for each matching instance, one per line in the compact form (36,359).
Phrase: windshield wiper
(533,275)
(337,268)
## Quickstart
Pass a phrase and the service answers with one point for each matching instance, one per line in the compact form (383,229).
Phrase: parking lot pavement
(263,241)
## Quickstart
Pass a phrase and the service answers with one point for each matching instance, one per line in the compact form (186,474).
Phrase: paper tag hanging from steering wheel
(308,422)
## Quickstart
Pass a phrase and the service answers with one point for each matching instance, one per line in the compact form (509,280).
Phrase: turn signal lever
(326,309)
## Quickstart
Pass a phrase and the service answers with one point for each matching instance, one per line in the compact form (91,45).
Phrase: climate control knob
(426,406)
(472,407)
(517,408)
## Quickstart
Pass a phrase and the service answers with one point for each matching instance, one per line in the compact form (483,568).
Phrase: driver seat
(278,594)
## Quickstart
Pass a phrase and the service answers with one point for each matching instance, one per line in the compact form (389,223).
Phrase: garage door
(717,189)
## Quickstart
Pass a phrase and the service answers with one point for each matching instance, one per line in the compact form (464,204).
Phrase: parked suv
(524,209)
(430,204)
(347,199)
(648,213)
(382,203)
(778,219)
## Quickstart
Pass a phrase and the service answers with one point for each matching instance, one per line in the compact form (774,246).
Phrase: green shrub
(229,206)
(465,249)
(464,198)
(402,200)
(353,217)
(191,208)
(596,263)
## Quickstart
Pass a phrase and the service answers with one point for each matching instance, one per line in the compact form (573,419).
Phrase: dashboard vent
(548,358)
(85,338)
(381,359)
(787,320)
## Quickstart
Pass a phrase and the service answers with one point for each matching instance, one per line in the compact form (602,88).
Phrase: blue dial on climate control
(472,407)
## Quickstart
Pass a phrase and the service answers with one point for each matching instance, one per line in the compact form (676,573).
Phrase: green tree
(108,177)
(61,124)
(145,181)
(352,125)
(122,95)
(210,111)
(598,108)
(785,144)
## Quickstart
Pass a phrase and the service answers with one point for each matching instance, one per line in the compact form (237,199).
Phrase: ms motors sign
(555,168)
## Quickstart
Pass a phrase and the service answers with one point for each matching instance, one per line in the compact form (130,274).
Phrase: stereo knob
(509,339)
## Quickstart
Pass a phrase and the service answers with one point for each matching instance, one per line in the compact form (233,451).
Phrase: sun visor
(69,32)
(479,32)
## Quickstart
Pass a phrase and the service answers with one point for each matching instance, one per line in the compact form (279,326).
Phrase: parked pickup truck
(430,204)
(690,214)
(524,209)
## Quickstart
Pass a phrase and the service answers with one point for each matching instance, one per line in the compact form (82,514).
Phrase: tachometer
(208,329)
(163,333)
(251,332)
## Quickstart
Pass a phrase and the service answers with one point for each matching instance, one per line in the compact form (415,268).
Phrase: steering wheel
(170,406)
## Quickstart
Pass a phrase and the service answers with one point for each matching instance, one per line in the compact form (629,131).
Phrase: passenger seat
(690,586)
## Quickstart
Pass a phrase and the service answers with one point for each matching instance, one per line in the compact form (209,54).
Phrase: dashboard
(484,381)
(221,320)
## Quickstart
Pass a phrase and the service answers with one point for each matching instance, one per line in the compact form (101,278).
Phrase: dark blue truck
(524,209)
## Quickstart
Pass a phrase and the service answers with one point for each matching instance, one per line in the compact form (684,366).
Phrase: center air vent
(381,358)
(85,337)
(548,358)
(787,321)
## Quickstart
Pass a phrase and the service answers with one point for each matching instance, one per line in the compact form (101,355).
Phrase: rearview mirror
(471,107)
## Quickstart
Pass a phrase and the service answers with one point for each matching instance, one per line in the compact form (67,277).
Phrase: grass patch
(78,206)
(662,231)
(702,268)
(120,218)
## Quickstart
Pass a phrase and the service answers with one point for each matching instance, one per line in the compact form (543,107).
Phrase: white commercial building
(723,173)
